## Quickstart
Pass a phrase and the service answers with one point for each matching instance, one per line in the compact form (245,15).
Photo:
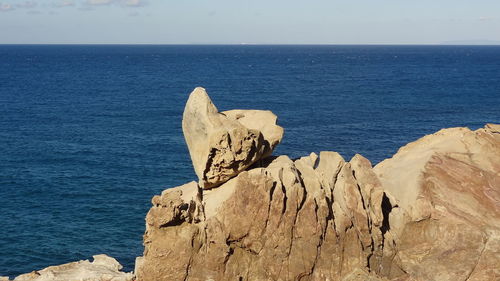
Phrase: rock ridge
(431,212)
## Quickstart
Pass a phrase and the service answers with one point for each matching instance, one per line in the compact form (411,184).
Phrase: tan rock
(361,275)
(170,230)
(431,212)
(271,223)
(102,268)
(449,183)
(263,121)
(222,146)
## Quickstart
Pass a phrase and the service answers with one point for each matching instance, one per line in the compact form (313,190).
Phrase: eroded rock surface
(315,218)
(102,268)
(432,212)
(449,183)
(220,145)
(263,121)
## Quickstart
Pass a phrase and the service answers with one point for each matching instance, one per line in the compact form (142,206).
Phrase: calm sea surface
(88,134)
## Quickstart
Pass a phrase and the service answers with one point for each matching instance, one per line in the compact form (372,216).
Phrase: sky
(250,22)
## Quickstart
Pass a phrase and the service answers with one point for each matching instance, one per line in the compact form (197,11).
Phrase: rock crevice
(278,223)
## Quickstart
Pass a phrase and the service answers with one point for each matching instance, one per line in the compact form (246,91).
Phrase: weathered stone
(270,223)
(263,121)
(222,146)
(102,268)
(431,212)
(449,182)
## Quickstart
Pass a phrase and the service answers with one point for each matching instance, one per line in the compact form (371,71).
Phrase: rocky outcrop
(449,184)
(431,212)
(102,268)
(224,144)
(315,218)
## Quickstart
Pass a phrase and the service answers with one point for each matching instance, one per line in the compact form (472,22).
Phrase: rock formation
(278,222)
(431,212)
(222,145)
(102,268)
(449,185)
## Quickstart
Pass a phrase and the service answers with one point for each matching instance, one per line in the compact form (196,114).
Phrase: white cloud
(483,18)
(128,3)
(98,2)
(133,3)
(5,7)
(26,5)
(79,4)
(64,3)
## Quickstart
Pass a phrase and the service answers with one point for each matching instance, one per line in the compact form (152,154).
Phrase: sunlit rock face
(431,212)
(276,222)
(224,144)
(102,268)
(449,185)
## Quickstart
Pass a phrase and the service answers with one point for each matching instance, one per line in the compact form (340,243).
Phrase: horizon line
(258,44)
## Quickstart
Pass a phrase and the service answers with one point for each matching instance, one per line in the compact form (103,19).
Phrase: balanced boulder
(223,145)
(429,213)
(261,120)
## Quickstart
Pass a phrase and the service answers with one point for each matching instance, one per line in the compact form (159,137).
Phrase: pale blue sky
(257,21)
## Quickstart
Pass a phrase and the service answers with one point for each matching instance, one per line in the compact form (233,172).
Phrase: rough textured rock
(222,146)
(432,212)
(271,223)
(102,268)
(263,121)
(449,183)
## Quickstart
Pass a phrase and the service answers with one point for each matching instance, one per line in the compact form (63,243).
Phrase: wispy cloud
(98,2)
(483,18)
(128,3)
(5,7)
(26,5)
(133,3)
(79,4)
(63,3)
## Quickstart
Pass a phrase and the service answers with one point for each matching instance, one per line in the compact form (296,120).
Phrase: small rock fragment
(103,268)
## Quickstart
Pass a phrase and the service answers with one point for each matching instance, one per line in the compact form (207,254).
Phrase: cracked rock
(431,212)
(272,223)
(224,144)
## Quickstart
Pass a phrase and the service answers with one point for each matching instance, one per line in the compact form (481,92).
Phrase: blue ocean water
(88,134)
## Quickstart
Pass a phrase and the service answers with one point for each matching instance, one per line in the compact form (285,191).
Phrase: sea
(90,133)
